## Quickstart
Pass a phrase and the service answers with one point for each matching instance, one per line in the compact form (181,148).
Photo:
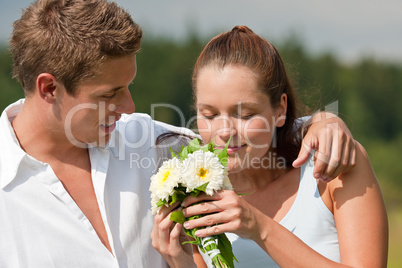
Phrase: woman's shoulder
(356,180)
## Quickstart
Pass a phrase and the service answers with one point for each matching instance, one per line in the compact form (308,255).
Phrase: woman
(289,219)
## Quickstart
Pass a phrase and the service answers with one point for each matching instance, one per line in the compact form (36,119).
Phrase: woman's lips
(232,149)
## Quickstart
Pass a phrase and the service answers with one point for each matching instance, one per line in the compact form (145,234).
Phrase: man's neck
(39,138)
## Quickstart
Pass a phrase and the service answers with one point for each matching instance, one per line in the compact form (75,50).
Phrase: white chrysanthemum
(202,167)
(164,181)
(226,181)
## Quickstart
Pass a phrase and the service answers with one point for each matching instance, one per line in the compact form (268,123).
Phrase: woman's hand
(225,212)
(167,237)
(335,149)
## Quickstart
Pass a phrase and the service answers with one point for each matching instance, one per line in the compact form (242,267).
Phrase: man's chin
(103,142)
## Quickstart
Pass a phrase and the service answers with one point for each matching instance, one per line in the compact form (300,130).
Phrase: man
(75,161)
(62,190)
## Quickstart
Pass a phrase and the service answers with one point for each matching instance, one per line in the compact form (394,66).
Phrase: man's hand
(335,149)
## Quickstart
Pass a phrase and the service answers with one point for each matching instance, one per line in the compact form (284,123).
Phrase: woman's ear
(281,111)
(46,86)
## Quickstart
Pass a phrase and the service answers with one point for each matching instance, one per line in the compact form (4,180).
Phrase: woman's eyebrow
(248,104)
(239,104)
(203,105)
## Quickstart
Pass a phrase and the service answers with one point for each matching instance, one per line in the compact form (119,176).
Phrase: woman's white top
(308,218)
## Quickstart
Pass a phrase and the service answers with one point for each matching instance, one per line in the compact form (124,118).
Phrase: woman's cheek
(205,129)
(258,134)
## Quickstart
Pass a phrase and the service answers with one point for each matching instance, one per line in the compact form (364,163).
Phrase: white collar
(11,152)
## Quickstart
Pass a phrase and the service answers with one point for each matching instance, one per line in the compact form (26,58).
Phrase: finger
(352,160)
(322,154)
(160,233)
(165,210)
(206,221)
(202,208)
(348,159)
(215,230)
(337,155)
(174,237)
(343,162)
(202,197)
(166,223)
(346,154)
(164,228)
(304,153)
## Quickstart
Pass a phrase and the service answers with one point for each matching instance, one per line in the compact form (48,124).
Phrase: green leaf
(227,145)
(195,192)
(177,196)
(161,203)
(191,233)
(217,151)
(226,249)
(180,188)
(184,153)
(178,216)
(203,187)
(174,155)
(223,159)
(190,242)
(223,155)
(194,217)
(194,145)
(205,148)
(174,199)
(211,147)
(188,232)
(181,149)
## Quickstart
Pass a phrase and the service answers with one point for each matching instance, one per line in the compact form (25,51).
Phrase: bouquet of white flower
(195,169)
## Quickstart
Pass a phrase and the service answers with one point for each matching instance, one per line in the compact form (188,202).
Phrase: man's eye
(109,96)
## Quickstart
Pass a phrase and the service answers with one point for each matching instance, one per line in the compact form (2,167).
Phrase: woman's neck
(254,179)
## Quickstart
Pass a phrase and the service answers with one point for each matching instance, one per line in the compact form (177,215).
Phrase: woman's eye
(212,116)
(245,117)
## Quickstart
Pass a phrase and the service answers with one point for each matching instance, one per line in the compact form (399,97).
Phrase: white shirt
(41,225)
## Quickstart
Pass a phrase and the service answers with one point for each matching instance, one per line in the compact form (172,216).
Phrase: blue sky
(350,28)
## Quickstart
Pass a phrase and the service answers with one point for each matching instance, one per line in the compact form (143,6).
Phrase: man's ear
(46,86)
(281,111)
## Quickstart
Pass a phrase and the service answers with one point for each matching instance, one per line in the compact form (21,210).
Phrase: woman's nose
(225,128)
